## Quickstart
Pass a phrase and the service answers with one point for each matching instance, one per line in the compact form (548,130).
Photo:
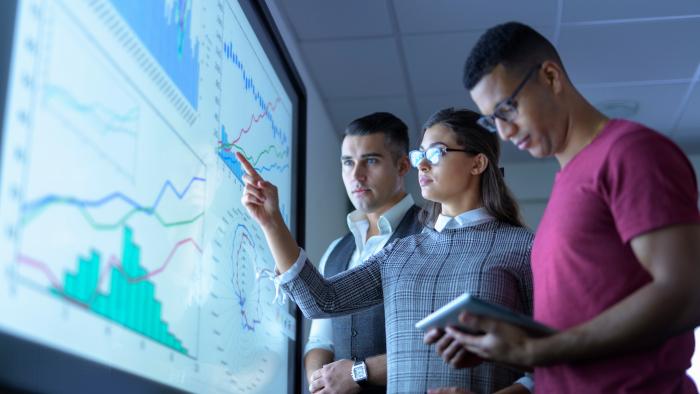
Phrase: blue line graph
(257,96)
(81,203)
(109,126)
(165,29)
(272,167)
(241,283)
(106,119)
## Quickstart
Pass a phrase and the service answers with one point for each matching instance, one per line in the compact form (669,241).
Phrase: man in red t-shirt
(616,257)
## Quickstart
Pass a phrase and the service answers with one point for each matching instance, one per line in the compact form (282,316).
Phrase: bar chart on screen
(124,235)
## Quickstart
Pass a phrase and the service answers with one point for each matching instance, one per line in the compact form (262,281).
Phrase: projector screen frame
(27,366)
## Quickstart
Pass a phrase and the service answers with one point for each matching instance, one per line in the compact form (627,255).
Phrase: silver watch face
(359,372)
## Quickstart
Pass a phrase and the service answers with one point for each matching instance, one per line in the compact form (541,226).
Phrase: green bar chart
(130,300)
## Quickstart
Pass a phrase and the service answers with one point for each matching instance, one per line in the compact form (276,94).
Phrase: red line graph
(270,107)
(43,267)
(166,262)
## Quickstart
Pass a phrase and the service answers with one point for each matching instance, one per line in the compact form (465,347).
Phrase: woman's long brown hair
(495,195)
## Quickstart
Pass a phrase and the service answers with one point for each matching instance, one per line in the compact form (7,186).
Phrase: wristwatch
(359,372)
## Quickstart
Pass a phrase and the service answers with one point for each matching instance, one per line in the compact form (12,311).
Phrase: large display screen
(123,240)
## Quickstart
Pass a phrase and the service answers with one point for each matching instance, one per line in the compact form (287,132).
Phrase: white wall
(531,184)
(325,194)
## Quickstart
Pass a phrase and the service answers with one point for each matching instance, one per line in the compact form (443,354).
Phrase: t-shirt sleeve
(649,184)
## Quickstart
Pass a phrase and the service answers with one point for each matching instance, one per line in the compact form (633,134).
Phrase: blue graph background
(166,33)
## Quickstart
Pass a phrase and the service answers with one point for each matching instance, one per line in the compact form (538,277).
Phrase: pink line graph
(113,261)
(253,119)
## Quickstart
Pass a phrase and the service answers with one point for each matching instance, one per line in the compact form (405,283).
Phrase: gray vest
(362,334)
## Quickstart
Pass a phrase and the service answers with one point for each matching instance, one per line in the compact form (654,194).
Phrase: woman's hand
(451,351)
(259,196)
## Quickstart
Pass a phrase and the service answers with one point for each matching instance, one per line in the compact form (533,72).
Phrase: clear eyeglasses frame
(433,154)
(506,110)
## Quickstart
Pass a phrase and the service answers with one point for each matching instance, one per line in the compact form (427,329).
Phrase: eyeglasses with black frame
(433,154)
(506,110)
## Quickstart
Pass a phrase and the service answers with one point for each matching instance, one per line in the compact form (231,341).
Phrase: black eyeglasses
(433,154)
(506,110)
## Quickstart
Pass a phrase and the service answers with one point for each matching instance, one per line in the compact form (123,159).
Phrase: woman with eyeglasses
(473,242)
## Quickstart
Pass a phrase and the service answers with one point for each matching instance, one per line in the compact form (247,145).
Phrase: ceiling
(638,59)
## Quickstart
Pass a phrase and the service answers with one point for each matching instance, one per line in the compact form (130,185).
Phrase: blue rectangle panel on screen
(164,27)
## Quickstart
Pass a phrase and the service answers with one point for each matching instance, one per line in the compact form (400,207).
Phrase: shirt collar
(469,218)
(387,223)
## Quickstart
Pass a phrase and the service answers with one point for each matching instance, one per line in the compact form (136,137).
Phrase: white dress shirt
(321,332)
(472,217)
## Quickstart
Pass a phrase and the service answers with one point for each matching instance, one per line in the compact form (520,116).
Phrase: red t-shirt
(630,180)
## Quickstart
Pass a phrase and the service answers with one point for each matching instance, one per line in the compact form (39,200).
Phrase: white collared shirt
(473,217)
(321,332)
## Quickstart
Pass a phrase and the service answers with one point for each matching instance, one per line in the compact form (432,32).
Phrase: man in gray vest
(348,354)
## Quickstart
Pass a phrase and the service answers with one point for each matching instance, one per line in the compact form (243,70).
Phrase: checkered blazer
(418,274)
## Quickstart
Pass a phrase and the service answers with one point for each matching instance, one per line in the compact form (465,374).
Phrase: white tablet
(448,315)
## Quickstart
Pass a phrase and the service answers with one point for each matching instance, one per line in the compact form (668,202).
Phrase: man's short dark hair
(394,129)
(516,46)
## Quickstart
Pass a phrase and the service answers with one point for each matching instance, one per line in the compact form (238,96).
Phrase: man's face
(533,127)
(372,177)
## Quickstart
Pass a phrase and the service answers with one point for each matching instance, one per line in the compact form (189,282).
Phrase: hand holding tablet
(448,315)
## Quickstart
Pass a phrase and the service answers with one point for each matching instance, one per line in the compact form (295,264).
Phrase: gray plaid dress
(416,275)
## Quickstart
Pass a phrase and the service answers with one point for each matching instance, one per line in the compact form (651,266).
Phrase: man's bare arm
(376,369)
(315,359)
(666,306)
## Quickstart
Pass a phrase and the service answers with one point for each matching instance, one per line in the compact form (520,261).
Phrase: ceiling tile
(435,62)
(344,111)
(420,16)
(656,105)
(428,105)
(355,68)
(595,10)
(631,52)
(313,19)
